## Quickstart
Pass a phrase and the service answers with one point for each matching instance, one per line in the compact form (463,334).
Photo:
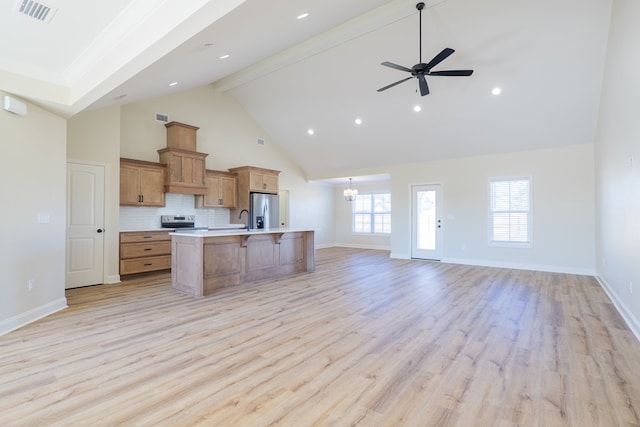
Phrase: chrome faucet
(240,217)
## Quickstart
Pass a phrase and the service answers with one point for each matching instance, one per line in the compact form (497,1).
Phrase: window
(510,210)
(372,213)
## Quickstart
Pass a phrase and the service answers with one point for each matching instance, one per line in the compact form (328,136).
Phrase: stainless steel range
(178,221)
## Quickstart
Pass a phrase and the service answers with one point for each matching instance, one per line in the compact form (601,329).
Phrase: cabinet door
(152,187)
(228,192)
(129,185)
(270,183)
(212,195)
(256,181)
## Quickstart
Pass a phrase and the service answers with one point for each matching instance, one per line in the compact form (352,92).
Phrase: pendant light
(350,193)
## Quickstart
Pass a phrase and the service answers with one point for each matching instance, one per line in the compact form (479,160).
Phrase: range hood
(185,167)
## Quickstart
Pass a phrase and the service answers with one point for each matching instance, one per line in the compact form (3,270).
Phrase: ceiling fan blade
(393,84)
(451,73)
(397,67)
(440,57)
(424,88)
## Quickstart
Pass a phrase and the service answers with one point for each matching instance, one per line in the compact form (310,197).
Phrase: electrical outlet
(32,283)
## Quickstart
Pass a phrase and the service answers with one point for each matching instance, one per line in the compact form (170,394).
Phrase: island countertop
(237,231)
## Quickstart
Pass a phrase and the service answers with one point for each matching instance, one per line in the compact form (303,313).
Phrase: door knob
(99,230)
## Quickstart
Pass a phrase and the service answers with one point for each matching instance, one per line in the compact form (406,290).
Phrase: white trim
(628,317)
(30,316)
(113,279)
(359,246)
(397,255)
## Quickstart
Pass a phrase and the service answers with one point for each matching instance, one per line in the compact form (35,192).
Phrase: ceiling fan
(421,70)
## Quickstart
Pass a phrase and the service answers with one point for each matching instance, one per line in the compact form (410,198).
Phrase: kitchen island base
(205,262)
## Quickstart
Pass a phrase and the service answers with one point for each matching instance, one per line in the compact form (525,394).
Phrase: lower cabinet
(142,251)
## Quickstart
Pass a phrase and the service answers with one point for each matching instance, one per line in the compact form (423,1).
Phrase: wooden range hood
(185,167)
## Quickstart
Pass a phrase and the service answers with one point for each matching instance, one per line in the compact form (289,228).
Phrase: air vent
(260,141)
(164,118)
(36,10)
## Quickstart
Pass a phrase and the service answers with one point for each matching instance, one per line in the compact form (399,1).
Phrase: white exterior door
(426,222)
(85,224)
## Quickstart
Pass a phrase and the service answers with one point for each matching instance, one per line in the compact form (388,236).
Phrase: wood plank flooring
(363,341)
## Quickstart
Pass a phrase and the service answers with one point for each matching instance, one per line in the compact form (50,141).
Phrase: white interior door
(426,218)
(85,224)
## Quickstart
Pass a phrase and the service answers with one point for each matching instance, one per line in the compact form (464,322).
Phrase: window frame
(490,233)
(372,213)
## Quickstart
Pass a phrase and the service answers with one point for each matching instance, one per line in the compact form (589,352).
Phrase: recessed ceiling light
(302,15)
(310,132)
(496,91)
(358,121)
(173,83)
(225,56)
(417,108)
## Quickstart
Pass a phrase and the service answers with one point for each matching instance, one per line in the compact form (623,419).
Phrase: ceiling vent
(36,10)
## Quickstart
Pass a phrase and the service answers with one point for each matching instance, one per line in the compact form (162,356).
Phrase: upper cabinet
(252,179)
(141,183)
(255,179)
(185,166)
(221,191)
(185,171)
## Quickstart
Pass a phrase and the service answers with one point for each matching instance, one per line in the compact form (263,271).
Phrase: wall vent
(164,118)
(260,141)
(36,10)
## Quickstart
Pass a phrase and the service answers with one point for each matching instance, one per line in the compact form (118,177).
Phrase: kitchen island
(203,261)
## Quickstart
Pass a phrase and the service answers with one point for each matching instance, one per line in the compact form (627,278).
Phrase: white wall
(229,135)
(94,137)
(562,206)
(343,220)
(32,182)
(618,165)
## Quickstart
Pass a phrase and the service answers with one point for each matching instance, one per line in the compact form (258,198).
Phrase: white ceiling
(322,72)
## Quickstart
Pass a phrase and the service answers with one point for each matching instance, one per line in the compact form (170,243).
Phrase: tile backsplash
(144,218)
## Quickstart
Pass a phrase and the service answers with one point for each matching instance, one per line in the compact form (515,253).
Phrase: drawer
(136,250)
(144,236)
(140,265)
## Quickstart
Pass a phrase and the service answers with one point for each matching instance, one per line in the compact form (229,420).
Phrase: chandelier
(350,193)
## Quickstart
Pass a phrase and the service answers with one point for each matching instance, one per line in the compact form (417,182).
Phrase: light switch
(44,218)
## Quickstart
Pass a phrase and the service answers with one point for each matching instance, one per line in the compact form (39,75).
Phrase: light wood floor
(365,340)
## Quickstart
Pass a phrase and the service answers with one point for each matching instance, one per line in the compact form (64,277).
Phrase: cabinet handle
(142,198)
(219,201)
(147,237)
(264,185)
(148,249)
(147,264)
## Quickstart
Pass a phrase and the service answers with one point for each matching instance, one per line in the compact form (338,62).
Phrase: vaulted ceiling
(322,72)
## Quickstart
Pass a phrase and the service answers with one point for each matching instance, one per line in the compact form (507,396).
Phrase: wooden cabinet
(221,191)
(182,136)
(252,179)
(184,171)
(141,183)
(142,251)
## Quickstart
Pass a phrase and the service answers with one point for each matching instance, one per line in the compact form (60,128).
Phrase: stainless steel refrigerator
(265,211)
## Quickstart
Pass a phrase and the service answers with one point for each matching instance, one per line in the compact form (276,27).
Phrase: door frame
(439,214)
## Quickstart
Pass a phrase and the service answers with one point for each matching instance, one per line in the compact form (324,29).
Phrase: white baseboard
(396,255)
(112,279)
(631,320)
(356,246)
(30,316)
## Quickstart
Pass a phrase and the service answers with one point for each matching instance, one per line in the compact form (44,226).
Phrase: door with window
(426,222)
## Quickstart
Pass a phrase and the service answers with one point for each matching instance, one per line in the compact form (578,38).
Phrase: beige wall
(563,208)
(229,135)
(32,182)
(94,137)
(618,166)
